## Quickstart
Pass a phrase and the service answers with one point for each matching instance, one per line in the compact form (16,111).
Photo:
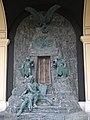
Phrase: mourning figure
(61,67)
(26,69)
(30,95)
(33,93)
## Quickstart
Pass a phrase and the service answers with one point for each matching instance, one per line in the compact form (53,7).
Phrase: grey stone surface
(45,116)
(63,44)
(63,101)
(62,91)
(77,116)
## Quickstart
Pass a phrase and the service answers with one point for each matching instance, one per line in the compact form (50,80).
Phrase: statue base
(81,115)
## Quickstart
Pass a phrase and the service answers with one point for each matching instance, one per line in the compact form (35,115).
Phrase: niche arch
(64,45)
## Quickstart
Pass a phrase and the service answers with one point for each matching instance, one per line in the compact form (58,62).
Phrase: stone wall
(60,41)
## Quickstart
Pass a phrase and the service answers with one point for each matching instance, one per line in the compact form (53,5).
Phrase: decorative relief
(60,40)
(61,67)
(43,20)
(44,41)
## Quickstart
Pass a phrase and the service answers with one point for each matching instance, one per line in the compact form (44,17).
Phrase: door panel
(44,75)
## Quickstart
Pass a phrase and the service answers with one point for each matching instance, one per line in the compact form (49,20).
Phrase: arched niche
(79,48)
(64,45)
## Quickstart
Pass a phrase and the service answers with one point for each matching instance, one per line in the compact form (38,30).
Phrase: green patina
(61,67)
(44,41)
(33,94)
(43,20)
(26,69)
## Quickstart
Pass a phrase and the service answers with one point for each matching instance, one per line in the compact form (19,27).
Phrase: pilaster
(3,70)
(86,54)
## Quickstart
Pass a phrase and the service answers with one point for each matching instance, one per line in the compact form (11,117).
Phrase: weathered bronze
(26,69)
(44,41)
(30,95)
(33,94)
(43,20)
(61,67)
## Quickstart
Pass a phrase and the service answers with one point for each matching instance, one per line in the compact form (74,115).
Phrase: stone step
(45,116)
(49,109)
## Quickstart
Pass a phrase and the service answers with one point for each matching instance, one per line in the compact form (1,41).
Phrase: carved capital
(4,42)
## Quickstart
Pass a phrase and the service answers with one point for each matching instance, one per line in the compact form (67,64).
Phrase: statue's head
(27,59)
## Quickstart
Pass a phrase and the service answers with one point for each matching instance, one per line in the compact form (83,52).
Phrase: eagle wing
(50,12)
(39,18)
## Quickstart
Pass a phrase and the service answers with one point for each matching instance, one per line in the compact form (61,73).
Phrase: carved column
(86,50)
(3,57)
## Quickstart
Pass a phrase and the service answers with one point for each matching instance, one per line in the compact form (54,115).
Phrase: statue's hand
(23,94)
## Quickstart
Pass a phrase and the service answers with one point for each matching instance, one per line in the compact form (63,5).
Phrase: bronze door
(44,74)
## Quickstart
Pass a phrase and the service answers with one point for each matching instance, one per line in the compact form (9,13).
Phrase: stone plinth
(45,116)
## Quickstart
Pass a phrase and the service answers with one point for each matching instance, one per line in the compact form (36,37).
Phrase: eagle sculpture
(43,20)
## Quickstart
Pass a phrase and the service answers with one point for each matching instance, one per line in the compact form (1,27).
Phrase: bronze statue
(61,67)
(33,94)
(26,69)
(43,20)
(30,95)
